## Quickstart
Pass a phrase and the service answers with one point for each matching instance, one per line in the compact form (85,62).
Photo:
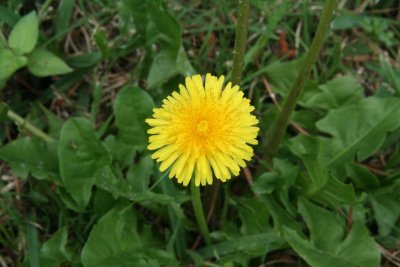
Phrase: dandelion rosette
(203,129)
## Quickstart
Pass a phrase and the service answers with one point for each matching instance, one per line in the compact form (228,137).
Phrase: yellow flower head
(203,129)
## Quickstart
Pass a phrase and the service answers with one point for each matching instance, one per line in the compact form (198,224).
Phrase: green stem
(240,40)
(199,212)
(278,130)
(22,123)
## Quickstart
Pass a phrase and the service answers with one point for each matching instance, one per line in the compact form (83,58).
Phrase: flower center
(202,127)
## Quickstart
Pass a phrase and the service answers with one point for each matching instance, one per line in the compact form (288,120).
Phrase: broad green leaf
(336,93)
(385,204)
(132,106)
(361,176)
(307,148)
(326,228)
(320,185)
(32,156)
(3,111)
(253,244)
(139,174)
(44,63)
(328,245)
(24,35)
(253,215)
(335,193)
(282,177)
(282,75)
(116,242)
(359,130)
(118,187)
(81,154)
(54,251)
(9,63)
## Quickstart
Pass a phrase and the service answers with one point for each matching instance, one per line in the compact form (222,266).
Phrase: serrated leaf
(81,155)
(359,130)
(44,63)
(124,245)
(118,187)
(336,93)
(320,185)
(385,204)
(54,251)
(32,156)
(132,106)
(328,246)
(307,148)
(261,243)
(9,63)
(282,75)
(139,174)
(24,35)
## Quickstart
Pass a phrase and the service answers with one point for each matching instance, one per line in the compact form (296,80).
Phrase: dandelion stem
(199,212)
(240,40)
(275,136)
(24,124)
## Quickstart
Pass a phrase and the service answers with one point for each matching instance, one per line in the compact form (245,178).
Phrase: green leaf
(54,251)
(8,16)
(31,155)
(346,21)
(259,243)
(335,193)
(308,150)
(3,111)
(9,63)
(359,130)
(164,30)
(24,35)
(361,176)
(282,75)
(44,63)
(282,178)
(328,246)
(81,155)
(139,174)
(336,93)
(132,106)
(321,185)
(253,215)
(32,241)
(118,187)
(63,16)
(116,242)
(385,205)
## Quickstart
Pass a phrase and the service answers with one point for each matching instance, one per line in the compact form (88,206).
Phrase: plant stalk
(275,136)
(24,124)
(199,212)
(240,40)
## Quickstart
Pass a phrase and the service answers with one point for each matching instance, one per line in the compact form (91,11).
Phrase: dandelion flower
(203,129)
